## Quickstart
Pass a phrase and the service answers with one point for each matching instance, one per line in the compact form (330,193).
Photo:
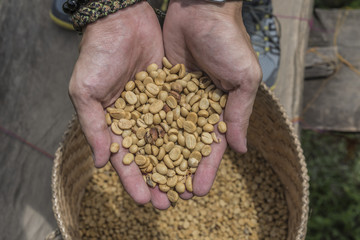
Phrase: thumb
(237,114)
(93,124)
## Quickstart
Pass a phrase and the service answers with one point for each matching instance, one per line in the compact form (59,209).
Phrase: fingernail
(245,146)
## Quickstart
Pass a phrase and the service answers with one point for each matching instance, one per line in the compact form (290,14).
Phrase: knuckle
(78,90)
(253,76)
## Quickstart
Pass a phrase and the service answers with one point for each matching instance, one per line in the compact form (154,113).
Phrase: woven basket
(270,132)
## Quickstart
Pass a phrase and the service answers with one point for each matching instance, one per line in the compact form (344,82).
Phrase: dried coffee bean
(128,158)
(222,127)
(166,63)
(173,196)
(114,147)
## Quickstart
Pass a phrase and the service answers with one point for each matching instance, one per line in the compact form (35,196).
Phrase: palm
(109,59)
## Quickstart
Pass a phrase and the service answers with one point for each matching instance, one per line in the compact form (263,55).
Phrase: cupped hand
(112,50)
(212,38)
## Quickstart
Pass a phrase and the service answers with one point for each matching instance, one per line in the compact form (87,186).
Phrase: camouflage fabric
(94,10)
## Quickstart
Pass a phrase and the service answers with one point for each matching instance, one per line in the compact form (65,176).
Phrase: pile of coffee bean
(168,119)
(247,201)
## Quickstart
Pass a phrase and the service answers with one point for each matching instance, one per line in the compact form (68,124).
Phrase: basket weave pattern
(73,168)
(270,132)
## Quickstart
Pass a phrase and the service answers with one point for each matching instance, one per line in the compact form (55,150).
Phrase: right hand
(212,38)
(112,50)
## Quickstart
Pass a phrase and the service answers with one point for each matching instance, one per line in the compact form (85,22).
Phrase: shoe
(261,25)
(59,16)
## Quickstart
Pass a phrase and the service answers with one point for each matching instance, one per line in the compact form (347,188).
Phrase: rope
(340,21)
(20,139)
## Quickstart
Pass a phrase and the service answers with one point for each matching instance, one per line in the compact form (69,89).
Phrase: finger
(130,176)
(159,199)
(93,124)
(237,114)
(206,172)
(186,195)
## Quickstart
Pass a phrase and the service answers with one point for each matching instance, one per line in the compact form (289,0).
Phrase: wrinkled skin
(203,36)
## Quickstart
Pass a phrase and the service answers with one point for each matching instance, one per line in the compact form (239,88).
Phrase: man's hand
(112,50)
(212,38)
